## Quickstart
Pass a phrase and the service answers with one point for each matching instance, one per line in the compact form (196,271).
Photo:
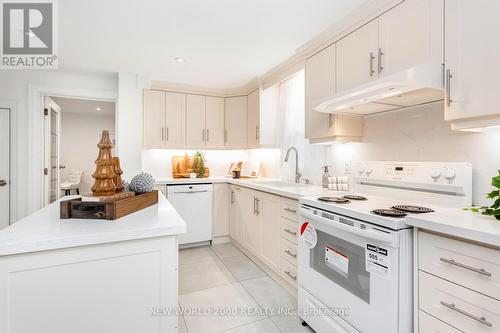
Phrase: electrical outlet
(347,168)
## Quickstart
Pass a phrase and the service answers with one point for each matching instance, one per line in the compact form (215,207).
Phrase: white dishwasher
(193,202)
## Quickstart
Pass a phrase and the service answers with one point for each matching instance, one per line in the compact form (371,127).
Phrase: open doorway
(73,128)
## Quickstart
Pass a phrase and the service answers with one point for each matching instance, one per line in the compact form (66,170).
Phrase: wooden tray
(78,209)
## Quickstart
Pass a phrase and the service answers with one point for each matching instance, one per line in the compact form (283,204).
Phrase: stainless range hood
(414,86)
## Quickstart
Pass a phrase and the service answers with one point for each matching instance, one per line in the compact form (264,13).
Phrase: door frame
(11,107)
(52,105)
(36,127)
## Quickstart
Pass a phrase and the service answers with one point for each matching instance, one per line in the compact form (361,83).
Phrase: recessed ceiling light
(98,109)
(179,59)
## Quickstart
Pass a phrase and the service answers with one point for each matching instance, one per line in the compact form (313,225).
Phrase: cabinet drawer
(288,272)
(457,306)
(289,230)
(466,264)
(429,324)
(289,251)
(290,209)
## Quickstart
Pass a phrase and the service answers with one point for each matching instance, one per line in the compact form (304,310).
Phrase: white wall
(14,88)
(421,134)
(80,134)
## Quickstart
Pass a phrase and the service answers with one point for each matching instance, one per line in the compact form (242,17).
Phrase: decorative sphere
(142,183)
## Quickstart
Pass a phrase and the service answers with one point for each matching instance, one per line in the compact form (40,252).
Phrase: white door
(471,60)
(52,117)
(253,127)
(175,120)
(269,213)
(411,34)
(214,121)
(195,121)
(154,118)
(319,84)
(4,168)
(357,56)
(236,122)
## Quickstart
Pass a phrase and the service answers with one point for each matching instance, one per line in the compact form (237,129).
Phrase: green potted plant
(494,209)
(199,164)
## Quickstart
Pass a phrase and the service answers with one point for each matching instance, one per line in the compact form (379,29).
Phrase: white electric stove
(355,251)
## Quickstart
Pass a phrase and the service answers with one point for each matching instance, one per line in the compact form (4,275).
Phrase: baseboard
(292,290)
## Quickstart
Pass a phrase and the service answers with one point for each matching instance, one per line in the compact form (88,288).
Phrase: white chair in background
(72,182)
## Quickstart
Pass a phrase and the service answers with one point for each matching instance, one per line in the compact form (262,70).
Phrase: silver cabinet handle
(290,232)
(232,196)
(62,166)
(254,206)
(3,182)
(162,134)
(290,275)
(167,133)
(380,54)
(257,200)
(208,135)
(290,210)
(290,253)
(225,136)
(453,307)
(448,87)
(372,57)
(470,268)
(203,134)
(257,132)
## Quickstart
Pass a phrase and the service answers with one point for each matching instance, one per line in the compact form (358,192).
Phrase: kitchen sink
(279,184)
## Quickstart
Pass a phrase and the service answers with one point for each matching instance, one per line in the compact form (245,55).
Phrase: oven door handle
(385,238)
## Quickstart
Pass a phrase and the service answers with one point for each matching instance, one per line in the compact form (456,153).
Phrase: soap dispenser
(326,174)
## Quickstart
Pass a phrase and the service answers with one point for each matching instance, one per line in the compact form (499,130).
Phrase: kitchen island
(90,275)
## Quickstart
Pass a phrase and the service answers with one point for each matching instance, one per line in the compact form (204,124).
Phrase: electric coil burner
(413,209)
(389,212)
(334,200)
(354,197)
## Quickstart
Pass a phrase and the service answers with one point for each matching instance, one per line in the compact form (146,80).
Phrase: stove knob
(450,174)
(361,170)
(368,171)
(435,174)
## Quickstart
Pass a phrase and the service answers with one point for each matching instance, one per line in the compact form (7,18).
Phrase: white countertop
(44,230)
(459,223)
(292,191)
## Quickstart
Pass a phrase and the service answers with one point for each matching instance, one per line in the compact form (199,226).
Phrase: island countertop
(44,230)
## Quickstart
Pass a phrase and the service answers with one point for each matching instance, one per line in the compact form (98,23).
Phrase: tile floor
(222,290)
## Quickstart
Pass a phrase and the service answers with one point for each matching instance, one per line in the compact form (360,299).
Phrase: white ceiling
(85,106)
(226,43)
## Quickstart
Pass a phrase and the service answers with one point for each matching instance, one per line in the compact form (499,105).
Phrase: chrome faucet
(297,173)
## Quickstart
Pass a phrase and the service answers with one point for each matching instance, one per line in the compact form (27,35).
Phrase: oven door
(352,269)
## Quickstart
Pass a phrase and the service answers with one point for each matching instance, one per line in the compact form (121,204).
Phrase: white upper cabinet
(253,126)
(175,126)
(195,120)
(214,122)
(410,34)
(154,118)
(319,84)
(236,122)
(357,57)
(471,63)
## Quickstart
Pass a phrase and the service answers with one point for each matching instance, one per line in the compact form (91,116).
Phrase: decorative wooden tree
(118,175)
(104,184)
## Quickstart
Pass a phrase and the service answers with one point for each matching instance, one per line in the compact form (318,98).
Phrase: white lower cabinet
(457,284)
(255,223)
(221,210)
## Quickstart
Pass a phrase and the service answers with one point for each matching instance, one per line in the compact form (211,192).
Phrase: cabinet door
(221,210)
(214,121)
(471,58)
(253,126)
(154,118)
(319,84)
(233,213)
(175,135)
(195,121)
(411,34)
(236,122)
(268,212)
(357,57)
(237,213)
(251,227)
